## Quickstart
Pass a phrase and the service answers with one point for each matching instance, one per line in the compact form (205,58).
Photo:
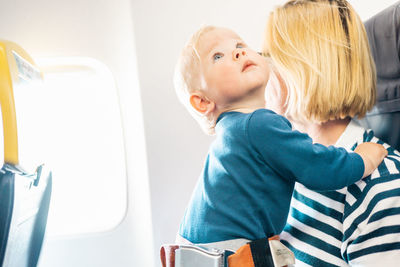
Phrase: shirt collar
(354,133)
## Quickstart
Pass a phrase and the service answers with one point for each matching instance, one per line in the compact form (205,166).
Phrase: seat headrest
(383,32)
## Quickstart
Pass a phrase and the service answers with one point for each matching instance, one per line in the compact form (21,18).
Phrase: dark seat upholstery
(383,33)
(24,205)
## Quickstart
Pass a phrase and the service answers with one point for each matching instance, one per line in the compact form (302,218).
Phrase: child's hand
(372,155)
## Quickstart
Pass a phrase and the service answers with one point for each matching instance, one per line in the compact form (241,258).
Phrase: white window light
(79,137)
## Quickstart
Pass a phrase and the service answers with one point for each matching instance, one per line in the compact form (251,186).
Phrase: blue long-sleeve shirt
(249,174)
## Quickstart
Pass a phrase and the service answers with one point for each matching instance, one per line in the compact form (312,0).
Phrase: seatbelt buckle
(264,252)
(193,256)
(281,255)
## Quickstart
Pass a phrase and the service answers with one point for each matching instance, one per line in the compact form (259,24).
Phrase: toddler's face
(231,70)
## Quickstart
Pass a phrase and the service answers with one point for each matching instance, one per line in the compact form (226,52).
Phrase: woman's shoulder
(384,178)
(390,166)
(355,134)
(382,184)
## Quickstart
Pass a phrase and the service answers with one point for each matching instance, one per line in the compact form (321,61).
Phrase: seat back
(383,32)
(386,125)
(24,193)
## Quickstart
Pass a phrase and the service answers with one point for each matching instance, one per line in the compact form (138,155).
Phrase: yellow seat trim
(10,76)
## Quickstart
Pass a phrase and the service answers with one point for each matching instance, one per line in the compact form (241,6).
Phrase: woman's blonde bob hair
(321,50)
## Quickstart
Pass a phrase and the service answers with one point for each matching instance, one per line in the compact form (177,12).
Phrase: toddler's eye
(240,45)
(217,56)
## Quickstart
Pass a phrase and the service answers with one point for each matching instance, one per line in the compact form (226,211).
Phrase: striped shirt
(358,225)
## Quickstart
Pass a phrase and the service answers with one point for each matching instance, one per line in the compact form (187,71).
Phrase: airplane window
(81,141)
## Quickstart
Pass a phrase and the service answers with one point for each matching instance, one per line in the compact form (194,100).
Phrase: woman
(321,50)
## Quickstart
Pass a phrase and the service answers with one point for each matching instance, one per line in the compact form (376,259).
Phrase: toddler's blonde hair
(188,78)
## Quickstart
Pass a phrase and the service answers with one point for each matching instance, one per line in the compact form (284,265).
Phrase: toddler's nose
(237,53)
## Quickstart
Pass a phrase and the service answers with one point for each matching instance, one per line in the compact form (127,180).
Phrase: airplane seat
(383,32)
(24,193)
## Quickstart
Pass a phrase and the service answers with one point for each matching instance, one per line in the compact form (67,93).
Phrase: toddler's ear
(201,103)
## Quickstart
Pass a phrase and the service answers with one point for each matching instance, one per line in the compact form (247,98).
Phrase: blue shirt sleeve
(293,155)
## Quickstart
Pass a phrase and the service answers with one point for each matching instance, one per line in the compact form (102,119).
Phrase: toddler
(246,185)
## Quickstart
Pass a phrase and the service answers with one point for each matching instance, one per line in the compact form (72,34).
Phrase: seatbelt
(265,252)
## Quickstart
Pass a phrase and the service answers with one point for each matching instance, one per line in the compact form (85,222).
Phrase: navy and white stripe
(356,226)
